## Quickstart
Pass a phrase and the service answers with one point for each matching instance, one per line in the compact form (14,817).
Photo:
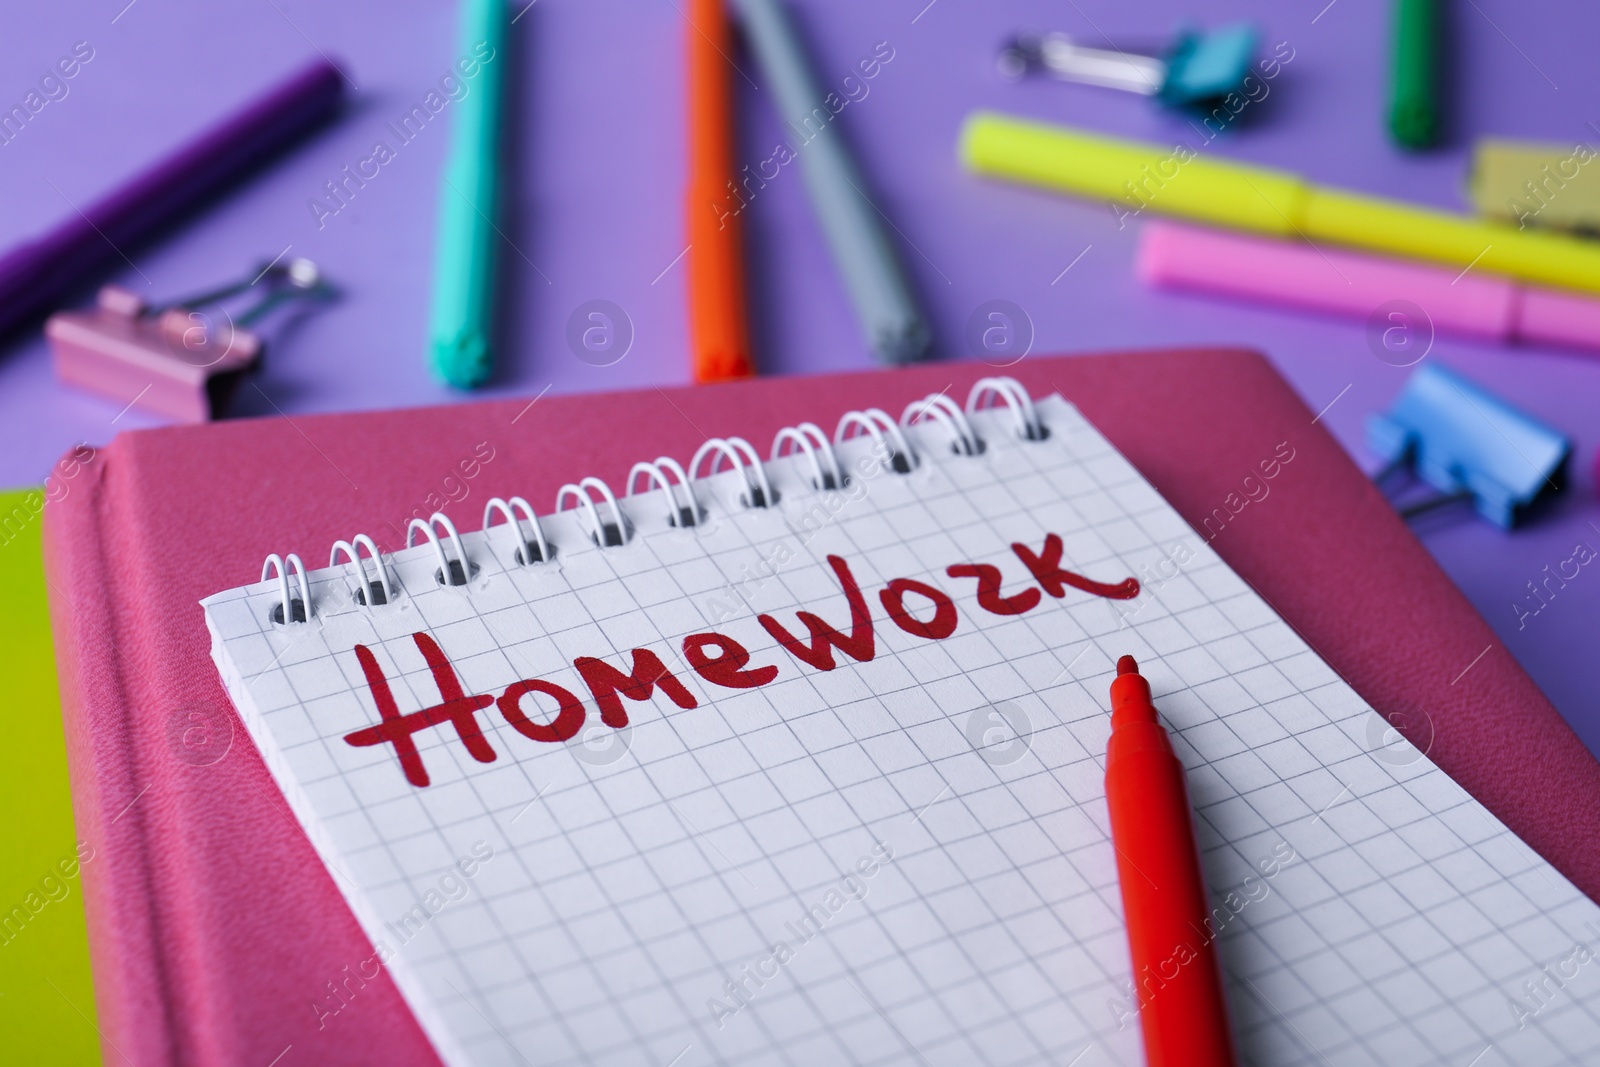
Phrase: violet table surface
(596,173)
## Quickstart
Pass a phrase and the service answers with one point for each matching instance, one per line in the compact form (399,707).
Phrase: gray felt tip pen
(897,331)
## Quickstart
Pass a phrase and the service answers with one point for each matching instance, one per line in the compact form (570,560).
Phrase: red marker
(1177,983)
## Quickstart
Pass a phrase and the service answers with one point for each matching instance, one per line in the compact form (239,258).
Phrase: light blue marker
(463,281)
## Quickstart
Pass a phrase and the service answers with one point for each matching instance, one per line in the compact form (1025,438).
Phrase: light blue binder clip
(1204,66)
(1466,442)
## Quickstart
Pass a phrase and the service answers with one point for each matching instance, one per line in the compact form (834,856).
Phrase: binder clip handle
(1197,70)
(297,279)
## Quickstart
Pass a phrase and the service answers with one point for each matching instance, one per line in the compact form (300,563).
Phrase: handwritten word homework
(715,657)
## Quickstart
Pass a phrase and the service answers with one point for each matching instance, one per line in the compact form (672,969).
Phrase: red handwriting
(606,682)
(943,623)
(989,598)
(715,657)
(1046,569)
(454,707)
(728,669)
(564,727)
(818,652)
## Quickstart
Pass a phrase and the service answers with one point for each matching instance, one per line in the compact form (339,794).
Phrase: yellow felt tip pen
(1133,177)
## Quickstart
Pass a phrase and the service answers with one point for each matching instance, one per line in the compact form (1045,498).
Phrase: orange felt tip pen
(1177,982)
(717,334)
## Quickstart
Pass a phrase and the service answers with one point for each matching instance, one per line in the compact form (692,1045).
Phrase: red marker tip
(1127,665)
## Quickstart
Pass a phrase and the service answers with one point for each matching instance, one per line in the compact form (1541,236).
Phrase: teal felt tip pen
(463,282)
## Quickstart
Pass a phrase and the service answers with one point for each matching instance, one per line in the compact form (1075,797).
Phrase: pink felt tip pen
(1299,275)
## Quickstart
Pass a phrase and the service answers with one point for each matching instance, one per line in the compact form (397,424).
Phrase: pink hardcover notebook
(218,936)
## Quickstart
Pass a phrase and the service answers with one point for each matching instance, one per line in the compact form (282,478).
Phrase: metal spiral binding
(288,610)
(810,440)
(685,514)
(948,414)
(367,592)
(605,534)
(877,424)
(608,526)
(451,571)
(742,457)
(1009,390)
(535,551)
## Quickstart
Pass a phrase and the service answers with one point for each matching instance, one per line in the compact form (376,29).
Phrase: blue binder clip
(1467,443)
(1196,72)
(1203,67)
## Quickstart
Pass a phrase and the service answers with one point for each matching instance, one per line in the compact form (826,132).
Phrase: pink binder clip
(175,361)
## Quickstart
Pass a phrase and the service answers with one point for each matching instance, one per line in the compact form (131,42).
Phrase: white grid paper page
(903,859)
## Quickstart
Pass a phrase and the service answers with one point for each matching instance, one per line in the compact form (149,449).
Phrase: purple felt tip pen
(37,275)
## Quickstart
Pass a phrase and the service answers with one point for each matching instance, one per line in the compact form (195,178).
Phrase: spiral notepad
(799,760)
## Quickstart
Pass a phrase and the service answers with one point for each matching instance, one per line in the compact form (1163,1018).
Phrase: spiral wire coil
(602,515)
